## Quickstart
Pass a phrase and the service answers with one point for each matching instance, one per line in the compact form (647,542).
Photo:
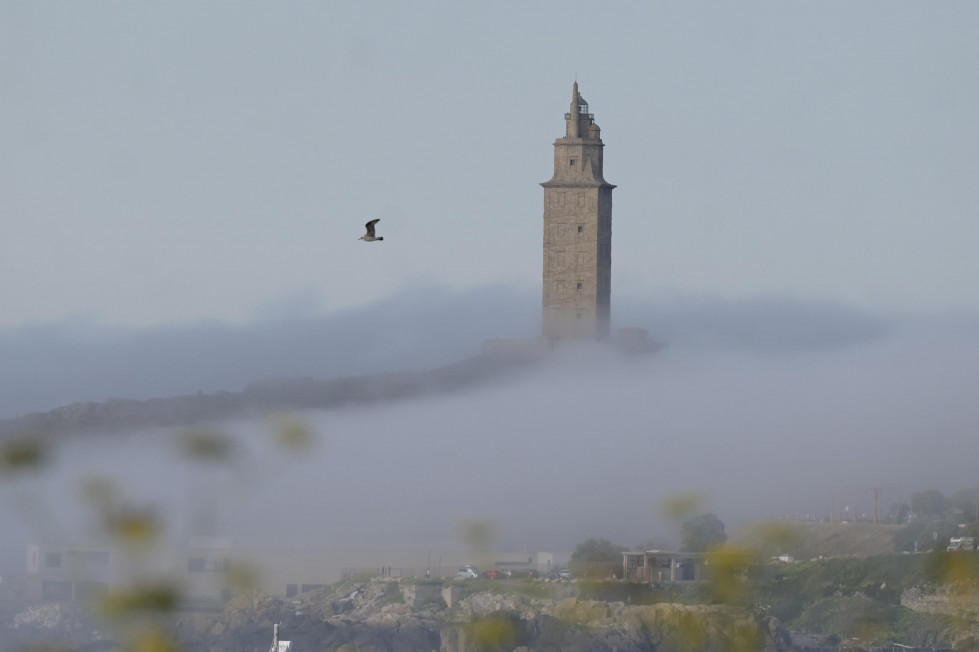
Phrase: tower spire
(577,233)
(573,130)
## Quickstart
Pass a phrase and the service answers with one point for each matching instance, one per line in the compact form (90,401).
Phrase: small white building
(662,566)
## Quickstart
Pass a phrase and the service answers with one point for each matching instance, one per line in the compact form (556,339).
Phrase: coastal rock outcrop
(386,616)
(584,625)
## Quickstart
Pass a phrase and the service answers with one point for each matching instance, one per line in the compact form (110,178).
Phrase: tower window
(579,285)
(581,229)
(571,162)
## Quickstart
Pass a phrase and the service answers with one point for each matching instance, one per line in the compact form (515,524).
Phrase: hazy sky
(168,163)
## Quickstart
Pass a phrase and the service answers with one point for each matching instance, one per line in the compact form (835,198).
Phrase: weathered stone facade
(577,233)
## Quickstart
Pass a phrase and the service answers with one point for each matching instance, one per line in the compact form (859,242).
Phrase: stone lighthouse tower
(577,233)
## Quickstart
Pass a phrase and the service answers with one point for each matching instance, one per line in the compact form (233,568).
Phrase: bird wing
(370,226)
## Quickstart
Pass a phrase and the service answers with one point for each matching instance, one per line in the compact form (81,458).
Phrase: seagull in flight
(369,236)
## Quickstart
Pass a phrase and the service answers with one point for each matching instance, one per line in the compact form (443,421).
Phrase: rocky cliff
(392,617)
(376,616)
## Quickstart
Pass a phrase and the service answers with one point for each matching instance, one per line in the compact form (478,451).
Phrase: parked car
(962,543)
(491,574)
(468,573)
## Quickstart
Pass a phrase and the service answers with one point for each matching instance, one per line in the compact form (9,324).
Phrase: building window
(571,162)
(579,285)
(52,560)
(204,565)
(581,229)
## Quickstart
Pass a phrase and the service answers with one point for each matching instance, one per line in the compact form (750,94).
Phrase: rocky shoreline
(405,617)
(389,615)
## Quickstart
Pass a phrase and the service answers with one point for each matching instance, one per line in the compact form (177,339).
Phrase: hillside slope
(813,540)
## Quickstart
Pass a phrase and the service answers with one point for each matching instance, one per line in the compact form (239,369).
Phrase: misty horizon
(420,328)
(767,408)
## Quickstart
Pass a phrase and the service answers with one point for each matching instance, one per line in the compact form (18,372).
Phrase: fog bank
(588,445)
(51,365)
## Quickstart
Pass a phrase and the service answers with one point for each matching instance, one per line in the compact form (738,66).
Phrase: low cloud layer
(57,364)
(591,443)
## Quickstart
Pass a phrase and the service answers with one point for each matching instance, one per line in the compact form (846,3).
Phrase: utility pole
(877,491)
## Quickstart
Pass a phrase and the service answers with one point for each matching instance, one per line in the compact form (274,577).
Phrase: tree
(596,558)
(928,504)
(701,533)
(963,504)
(898,514)
(930,534)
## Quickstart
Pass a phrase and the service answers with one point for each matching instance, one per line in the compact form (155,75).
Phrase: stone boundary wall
(944,601)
